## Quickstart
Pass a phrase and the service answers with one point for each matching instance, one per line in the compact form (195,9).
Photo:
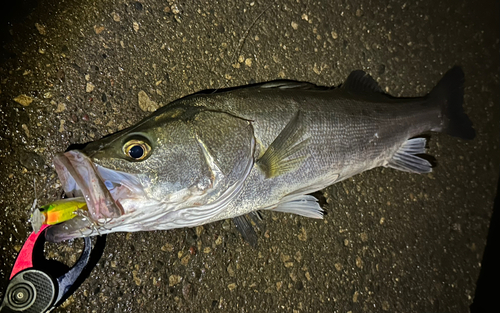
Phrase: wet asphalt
(71,72)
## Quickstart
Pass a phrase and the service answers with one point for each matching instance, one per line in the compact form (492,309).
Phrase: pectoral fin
(278,158)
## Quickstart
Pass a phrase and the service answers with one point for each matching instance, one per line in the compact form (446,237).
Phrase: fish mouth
(104,190)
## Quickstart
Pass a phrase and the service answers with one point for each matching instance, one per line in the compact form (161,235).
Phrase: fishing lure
(57,212)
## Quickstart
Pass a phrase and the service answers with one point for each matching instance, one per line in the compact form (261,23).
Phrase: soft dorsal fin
(361,82)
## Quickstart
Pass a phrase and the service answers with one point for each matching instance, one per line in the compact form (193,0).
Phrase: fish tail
(449,94)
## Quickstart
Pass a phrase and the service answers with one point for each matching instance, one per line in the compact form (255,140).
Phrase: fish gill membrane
(230,153)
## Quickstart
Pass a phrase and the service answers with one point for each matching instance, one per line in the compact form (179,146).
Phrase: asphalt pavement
(71,72)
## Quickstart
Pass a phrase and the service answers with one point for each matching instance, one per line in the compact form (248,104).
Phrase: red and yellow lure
(57,212)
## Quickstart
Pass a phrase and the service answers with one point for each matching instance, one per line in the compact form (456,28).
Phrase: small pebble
(278,285)
(175,9)
(68,301)
(218,241)
(167,247)
(338,266)
(355,297)
(174,280)
(26,130)
(303,234)
(145,103)
(61,107)
(308,276)
(230,270)
(136,278)
(116,16)
(23,100)
(61,125)
(199,230)
(359,262)
(89,87)
(41,29)
(185,259)
(98,29)
(284,257)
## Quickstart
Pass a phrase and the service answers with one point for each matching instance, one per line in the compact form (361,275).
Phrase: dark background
(391,241)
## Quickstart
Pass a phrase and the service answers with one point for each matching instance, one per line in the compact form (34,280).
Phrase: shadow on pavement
(487,287)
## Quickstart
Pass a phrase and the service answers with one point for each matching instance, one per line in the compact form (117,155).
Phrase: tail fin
(449,92)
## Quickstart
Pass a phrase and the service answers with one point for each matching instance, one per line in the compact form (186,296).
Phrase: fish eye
(136,149)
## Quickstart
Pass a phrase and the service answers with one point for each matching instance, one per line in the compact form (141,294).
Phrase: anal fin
(406,159)
(278,158)
(305,205)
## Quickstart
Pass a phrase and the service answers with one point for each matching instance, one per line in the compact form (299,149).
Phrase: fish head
(148,176)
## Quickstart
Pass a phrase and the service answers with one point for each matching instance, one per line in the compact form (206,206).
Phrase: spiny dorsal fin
(361,82)
(289,84)
(278,159)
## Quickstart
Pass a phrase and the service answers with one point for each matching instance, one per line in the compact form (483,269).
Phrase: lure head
(57,212)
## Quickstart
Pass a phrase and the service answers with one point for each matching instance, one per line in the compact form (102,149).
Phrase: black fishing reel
(29,291)
(34,287)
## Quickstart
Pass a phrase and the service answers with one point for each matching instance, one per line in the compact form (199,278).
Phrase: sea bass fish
(220,155)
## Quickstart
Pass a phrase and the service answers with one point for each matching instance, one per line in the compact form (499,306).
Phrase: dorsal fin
(290,84)
(361,82)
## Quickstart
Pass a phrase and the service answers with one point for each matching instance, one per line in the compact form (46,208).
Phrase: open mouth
(112,197)
(104,190)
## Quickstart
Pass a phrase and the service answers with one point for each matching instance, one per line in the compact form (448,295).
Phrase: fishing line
(241,42)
